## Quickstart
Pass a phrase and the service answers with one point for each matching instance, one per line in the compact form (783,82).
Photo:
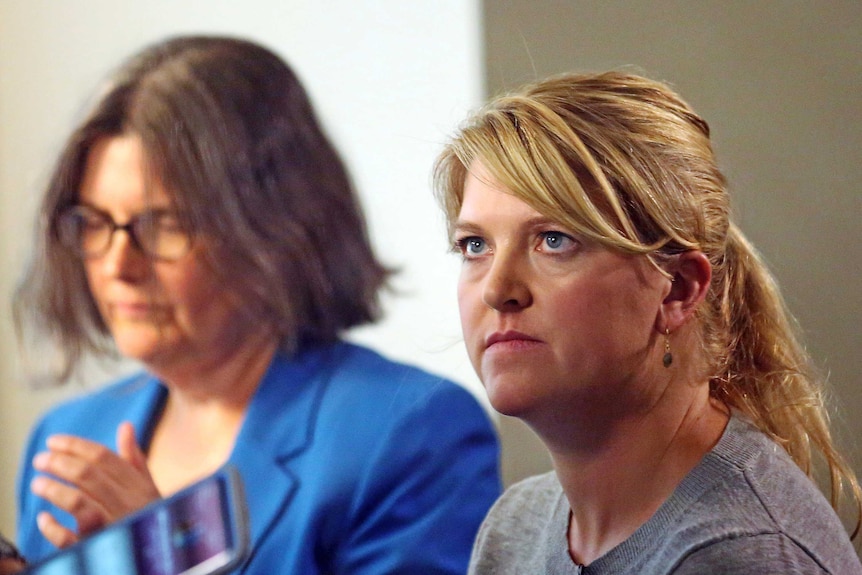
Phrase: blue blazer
(351,464)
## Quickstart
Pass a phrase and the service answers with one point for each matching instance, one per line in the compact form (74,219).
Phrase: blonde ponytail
(765,372)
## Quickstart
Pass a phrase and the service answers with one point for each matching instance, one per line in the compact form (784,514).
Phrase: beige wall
(781,85)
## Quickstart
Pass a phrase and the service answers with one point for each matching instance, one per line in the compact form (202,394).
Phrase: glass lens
(161,235)
(89,232)
(85,231)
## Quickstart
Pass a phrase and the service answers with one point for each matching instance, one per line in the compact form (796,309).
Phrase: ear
(692,273)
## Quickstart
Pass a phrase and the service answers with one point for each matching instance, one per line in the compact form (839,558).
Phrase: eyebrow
(167,209)
(530,223)
(463,226)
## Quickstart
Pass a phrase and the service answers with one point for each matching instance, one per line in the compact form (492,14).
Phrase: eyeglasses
(88,232)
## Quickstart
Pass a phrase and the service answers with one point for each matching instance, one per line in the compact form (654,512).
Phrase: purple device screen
(185,535)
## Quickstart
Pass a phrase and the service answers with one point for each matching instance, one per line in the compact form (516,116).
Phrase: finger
(90,451)
(91,466)
(88,513)
(74,469)
(118,486)
(128,448)
(55,533)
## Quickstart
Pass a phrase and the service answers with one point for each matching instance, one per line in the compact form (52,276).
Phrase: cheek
(605,321)
(90,272)
(196,294)
(207,301)
(470,307)
(95,282)
(575,301)
(467,305)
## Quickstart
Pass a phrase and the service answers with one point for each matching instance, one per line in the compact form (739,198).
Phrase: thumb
(127,447)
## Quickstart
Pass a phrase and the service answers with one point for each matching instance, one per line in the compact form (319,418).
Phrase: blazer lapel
(278,426)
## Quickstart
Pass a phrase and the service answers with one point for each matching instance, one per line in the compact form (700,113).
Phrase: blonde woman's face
(551,322)
(163,313)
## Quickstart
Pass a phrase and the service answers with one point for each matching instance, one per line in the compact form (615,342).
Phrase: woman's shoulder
(345,386)
(544,487)
(749,494)
(755,469)
(531,500)
(524,532)
(746,460)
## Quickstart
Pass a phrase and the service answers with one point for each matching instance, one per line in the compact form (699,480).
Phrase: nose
(124,259)
(506,286)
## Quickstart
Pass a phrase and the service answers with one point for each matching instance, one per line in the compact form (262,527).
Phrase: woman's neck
(616,483)
(203,414)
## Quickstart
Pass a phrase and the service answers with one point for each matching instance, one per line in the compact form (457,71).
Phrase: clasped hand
(94,484)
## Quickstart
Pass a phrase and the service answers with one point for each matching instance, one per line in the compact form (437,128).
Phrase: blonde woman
(608,300)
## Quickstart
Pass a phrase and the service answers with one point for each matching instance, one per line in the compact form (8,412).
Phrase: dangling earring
(668,356)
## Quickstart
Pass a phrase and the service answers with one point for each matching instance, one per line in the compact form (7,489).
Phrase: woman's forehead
(116,171)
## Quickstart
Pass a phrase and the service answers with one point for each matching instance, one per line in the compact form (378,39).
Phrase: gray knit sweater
(745,509)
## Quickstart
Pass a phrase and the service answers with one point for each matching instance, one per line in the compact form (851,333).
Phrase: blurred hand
(8,565)
(10,559)
(94,484)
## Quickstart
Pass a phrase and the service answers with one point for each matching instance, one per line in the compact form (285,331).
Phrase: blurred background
(780,83)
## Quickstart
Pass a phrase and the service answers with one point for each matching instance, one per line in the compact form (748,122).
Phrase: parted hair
(623,160)
(229,132)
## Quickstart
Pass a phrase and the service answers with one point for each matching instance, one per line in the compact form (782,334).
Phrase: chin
(511,400)
(139,349)
(144,356)
(139,339)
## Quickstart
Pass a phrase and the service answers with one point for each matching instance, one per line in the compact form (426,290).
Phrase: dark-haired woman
(200,222)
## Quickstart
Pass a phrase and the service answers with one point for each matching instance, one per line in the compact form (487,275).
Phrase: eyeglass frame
(71,235)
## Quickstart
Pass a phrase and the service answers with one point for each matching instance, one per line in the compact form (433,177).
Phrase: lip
(131,309)
(511,337)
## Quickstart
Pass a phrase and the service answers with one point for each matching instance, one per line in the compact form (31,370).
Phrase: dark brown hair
(230,133)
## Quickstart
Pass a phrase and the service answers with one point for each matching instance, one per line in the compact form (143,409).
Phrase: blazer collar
(279,424)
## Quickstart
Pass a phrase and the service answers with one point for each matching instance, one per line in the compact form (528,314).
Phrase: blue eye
(471,246)
(556,241)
